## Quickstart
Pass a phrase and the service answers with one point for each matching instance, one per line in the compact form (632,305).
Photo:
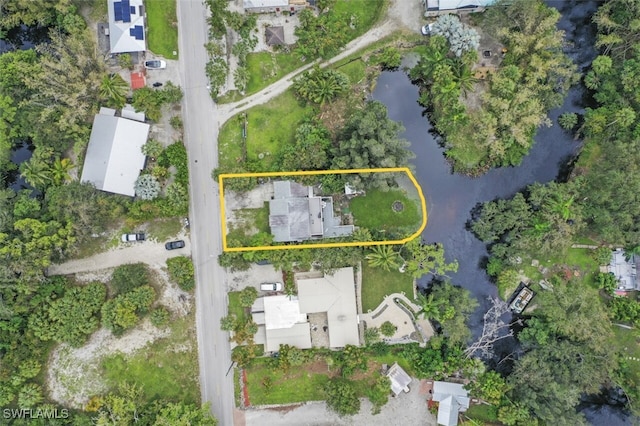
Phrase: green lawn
(298,385)
(482,413)
(266,68)
(235,307)
(627,343)
(365,14)
(355,70)
(376,283)
(167,368)
(305,383)
(374,211)
(269,127)
(163,229)
(162,25)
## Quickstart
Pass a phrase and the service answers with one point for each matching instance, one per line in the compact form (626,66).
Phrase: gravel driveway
(148,252)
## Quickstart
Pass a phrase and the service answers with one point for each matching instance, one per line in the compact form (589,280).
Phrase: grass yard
(162,25)
(235,307)
(355,70)
(376,283)
(267,67)
(481,413)
(269,127)
(167,368)
(163,229)
(301,384)
(627,343)
(385,218)
(364,15)
(268,385)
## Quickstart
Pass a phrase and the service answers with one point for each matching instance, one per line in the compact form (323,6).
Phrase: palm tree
(430,308)
(463,76)
(36,173)
(60,170)
(383,257)
(113,89)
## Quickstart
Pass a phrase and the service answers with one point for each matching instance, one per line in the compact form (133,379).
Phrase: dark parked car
(127,238)
(157,84)
(172,245)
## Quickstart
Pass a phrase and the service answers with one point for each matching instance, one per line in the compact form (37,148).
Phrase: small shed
(274,36)
(399,379)
(137,80)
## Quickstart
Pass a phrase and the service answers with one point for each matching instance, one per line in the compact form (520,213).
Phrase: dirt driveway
(151,253)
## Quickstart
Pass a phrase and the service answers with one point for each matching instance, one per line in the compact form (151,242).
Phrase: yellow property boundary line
(406,170)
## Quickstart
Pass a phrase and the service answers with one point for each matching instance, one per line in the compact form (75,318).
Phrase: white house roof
(126,26)
(457,4)
(282,312)
(453,398)
(114,155)
(335,295)
(399,379)
(248,4)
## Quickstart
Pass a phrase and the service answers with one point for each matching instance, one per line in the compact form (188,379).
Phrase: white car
(271,286)
(127,238)
(156,64)
(426,30)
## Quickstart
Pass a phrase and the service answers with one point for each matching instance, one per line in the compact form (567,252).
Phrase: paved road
(200,137)
(202,119)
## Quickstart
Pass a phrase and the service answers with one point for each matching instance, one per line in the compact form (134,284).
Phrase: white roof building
(399,379)
(283,319)
(434,7)
(453,399)
(114,156)
(126,26)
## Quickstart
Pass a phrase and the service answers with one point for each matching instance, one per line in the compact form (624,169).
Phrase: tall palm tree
(383,257)
(113,89)
(60,170)
(36,173)
(463,76)
(429,307)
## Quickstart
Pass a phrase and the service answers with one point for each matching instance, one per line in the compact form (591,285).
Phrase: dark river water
(451,197)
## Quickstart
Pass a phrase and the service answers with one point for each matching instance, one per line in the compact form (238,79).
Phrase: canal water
(451,197)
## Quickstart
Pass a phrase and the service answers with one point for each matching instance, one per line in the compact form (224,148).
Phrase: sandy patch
(75,374)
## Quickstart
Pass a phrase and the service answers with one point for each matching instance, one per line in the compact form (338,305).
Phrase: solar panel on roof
(133,10)
(117,9)
(137,32)
(126,11)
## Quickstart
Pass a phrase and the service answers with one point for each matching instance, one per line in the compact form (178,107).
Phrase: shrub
(181,271)
(128,277)
(248,295)
(147,187)
(388,329)
(160,317)
(461,38)
(342,397)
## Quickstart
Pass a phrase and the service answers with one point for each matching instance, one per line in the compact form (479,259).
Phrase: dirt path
(153,254)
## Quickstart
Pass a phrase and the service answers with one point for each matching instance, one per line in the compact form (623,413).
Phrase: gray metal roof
(120,36)
(298,335)
(114,156)
(334,294)
(453,398)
